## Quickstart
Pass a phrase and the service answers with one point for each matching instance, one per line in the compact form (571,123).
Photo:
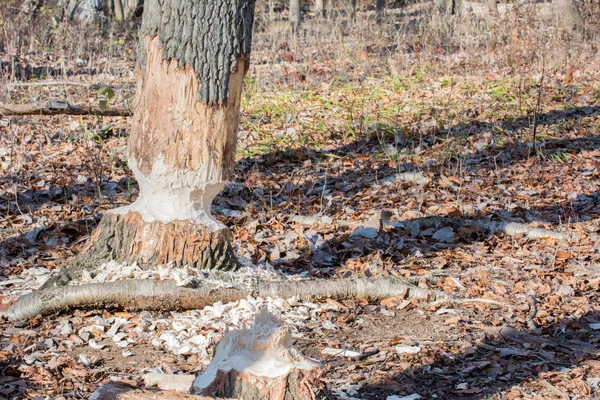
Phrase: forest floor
(333,145)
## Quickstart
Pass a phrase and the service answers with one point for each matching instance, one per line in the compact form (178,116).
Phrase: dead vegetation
(333,116)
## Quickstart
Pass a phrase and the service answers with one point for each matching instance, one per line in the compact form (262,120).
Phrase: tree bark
(295,14)
(193,57)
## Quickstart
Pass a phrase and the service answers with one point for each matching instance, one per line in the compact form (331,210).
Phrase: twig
(531,316)
(538,106)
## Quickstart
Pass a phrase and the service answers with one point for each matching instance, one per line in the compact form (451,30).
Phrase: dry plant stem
(8,110)
(166,295)
(531,316)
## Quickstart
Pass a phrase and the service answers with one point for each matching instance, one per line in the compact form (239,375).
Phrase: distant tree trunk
(329,10)
(295,15)
(118,8)
(493,8)
(193,57)
(131,8)
(84,11)
(29,8)
(352,11)
(570,16)
(320,8)
(379,9)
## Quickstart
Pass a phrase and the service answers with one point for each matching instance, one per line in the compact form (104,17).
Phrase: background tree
(569,14)
(320,8)
(379,9)
(295,14)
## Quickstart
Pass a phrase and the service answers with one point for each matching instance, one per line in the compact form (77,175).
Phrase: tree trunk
(193,56)
(259,363)
(295,14)
(131,8)
(570,17)
(493,8)
(329,9)
(119,15)
(352,11)
(319,8)
(379,10)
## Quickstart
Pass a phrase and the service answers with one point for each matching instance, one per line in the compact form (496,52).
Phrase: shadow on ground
(505,359)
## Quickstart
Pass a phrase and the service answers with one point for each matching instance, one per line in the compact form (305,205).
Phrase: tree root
(167,296)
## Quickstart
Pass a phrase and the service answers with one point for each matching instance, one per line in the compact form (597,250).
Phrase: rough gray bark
(570,16)
(295,14)
(209,35)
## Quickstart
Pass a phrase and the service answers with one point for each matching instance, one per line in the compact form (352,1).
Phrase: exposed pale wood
(179,383)
(260,363)
(64,109)
(172,125)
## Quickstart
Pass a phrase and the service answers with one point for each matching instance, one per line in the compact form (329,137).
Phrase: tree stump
(128,238)
(260,363)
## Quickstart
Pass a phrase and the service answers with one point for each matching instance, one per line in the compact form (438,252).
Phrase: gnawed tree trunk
(260,363)
(193,56)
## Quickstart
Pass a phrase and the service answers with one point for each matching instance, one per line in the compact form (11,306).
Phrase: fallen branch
(67,83)
(166,295)
(61,108)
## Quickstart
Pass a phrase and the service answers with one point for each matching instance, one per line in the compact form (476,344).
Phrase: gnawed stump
(260,363)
